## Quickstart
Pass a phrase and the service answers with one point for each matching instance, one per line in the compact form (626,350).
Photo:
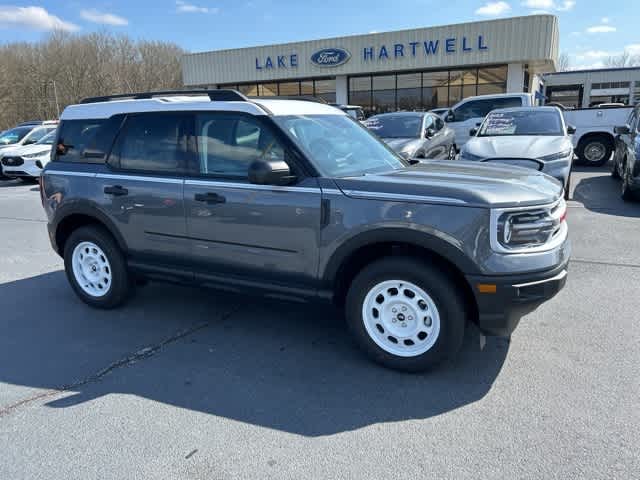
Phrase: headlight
(556,156)
(465,155)
(528,230)
(36,155)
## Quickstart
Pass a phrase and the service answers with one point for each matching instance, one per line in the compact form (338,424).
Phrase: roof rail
(214,95)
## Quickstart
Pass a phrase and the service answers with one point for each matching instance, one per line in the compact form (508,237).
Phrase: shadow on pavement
(601,193)
(283,366)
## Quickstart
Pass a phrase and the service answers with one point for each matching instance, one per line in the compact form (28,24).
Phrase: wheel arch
(366,247)
(74,216)
(589,135)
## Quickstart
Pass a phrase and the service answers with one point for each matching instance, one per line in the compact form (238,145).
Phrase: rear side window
(73,137)
(153,143)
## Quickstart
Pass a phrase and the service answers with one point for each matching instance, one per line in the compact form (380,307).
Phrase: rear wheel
(96,268)
(405,314)
(595,151)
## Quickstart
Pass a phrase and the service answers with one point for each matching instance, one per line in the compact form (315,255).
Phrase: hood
(459,183)
(19,150)
(517,146)
(398,144)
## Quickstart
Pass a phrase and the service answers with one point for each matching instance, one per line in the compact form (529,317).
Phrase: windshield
(339,146)
(526,122)
(47,139)
(14,135)
(395,126)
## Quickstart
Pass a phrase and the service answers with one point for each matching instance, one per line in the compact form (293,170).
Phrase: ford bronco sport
(295,199)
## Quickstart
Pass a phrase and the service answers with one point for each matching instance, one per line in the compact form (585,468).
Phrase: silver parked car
(533,137)
(419,135)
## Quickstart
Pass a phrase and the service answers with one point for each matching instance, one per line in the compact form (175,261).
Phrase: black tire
(601,142)
(121,286)
(451,155)
(614,171)
(567,188)
(626,193)
(436,283)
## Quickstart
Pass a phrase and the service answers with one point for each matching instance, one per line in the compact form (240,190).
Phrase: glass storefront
(424,90)
(324,88)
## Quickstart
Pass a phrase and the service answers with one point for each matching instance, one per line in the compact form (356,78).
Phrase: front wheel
(96,268)
(627,193)
(405,314)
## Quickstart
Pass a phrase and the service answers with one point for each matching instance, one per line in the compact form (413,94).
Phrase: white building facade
(403,70)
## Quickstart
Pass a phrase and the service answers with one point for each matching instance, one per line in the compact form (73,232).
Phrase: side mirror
(473,132)
(622,130)
(429,132)
(270,172)
(29,141)
(571,129)
(450,117)
(92,153)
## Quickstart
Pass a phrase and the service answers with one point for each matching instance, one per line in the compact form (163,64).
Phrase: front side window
(228,143)
(37,134)
(526,122)
(395,125)
(154,143)
(339,146)
(14,135)
(48,139)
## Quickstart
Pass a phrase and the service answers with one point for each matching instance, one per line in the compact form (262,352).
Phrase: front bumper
(500,308)
(20,167)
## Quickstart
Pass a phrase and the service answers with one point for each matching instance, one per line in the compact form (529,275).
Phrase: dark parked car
(294,199)
(419,135)
(626,160)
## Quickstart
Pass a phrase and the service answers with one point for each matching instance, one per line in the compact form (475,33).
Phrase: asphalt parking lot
(183,383)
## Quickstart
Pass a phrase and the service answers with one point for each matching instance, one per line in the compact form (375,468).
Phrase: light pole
(55,94)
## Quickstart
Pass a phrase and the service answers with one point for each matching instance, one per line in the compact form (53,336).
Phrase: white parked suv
(27,162)
(23,135)
(468,113)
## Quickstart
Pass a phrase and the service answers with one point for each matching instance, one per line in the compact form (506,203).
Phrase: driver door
(240,229)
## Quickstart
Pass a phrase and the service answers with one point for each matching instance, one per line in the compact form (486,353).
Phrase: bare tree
(564,62)
(81,66)
(625,59)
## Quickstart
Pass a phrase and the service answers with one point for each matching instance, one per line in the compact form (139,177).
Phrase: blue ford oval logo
(330,57)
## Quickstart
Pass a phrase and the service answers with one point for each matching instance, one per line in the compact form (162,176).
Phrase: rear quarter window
(74,136)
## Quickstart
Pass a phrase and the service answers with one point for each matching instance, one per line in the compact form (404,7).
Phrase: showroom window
(324,88)
(567,95)
(424,90)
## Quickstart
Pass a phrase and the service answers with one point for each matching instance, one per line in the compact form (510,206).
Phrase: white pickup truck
(594,140)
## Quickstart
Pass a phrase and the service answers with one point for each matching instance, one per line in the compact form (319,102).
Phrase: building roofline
(342,37)
(594,70)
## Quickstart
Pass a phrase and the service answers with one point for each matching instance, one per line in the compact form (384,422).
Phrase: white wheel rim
(401,318)
(595,152)
(91,269)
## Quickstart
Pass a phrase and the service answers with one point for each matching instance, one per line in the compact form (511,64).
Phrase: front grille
(12,161)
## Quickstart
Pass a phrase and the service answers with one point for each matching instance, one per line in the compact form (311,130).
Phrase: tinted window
(228,143)
(395,125)
(14,135)
(37,134)
(153,142)
(480,108)
(73,138)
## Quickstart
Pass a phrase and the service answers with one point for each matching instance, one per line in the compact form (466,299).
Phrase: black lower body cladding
(503,300)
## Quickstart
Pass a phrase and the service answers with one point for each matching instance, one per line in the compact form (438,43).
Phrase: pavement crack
(141,354)
(609,264)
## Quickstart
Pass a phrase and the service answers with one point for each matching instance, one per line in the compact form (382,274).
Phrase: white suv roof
(105,107)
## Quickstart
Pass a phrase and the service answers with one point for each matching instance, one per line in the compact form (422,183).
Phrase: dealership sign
(334,57)
(330,57)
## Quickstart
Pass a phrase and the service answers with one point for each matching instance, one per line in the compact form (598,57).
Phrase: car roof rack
(218,95)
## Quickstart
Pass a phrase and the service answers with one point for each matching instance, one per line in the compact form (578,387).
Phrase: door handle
(116,190)
(209,197)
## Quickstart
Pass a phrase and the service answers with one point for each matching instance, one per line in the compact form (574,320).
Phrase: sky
(590,30)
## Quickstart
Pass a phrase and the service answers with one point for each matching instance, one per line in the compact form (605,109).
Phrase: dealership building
(415,69)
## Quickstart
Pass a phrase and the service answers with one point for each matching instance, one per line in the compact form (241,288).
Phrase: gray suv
(295,199)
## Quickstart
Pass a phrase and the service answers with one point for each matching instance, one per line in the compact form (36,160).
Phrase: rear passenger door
(141,186)
(241,230)
(436,145)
